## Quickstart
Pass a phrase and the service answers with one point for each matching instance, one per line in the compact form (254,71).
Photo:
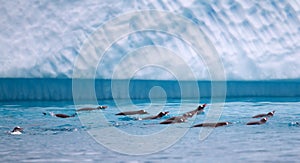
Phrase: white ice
(256,40)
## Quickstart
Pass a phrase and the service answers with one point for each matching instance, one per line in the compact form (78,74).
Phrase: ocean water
(51,139)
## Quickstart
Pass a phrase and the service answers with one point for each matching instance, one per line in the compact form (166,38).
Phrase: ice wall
(256,40)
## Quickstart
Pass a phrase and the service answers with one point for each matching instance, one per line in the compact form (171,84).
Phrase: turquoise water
(51,139)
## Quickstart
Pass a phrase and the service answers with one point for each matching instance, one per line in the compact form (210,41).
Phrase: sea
(84,138)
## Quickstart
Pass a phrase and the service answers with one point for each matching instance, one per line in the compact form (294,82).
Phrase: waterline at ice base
(233,59)
(37,89)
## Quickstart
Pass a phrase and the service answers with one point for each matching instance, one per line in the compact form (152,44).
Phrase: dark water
(51,139)
(53,89)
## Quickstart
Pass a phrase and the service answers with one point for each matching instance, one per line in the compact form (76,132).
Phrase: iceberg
(257,43)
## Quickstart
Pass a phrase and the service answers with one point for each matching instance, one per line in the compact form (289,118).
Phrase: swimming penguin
(218,124)
(199,110)
(132,112)
(159,115)
(178,119)
(90,109)
(262,121)
(183,118)
(294,124)
(17,131)
(270,114)
(65,115)
(60,115)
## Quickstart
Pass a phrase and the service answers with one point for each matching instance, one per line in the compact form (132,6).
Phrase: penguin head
(17,129)
(201,107)
(271,113)
(163,113)
(101,107)
(264,119)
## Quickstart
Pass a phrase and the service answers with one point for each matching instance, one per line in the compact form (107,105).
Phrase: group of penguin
(190,114)
(176,119)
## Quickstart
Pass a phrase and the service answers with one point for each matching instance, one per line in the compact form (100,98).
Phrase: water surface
(52,139)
